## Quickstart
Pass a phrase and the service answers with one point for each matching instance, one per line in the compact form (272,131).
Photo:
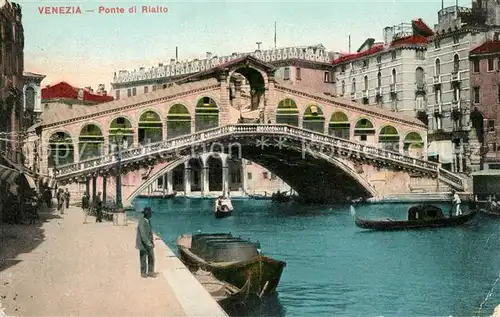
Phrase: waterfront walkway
(63,267)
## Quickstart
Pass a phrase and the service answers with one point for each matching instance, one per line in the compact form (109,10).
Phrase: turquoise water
(336,269)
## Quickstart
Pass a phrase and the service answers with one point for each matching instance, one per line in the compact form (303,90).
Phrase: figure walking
(60,201)
(85,206)
(456,203)
(145,244)
(98,207)
(67,195)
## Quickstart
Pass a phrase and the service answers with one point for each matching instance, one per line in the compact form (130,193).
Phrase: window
(456,63)
(273,176)
(146,88)
(343,88)
(366,82)
(437,67)
(327,77)
(491,125)
(419,76)
(456,39)
(286,73)
(362,137)
(265,175)
(353,88)
(437,94)
(393,55)
(379,59)
(154,87)
(29,98)
(342,69)
(129,92)
(476,66)
(134,91)
(456,94)
(249,175)
(496,36)
(393,78)
(491,64)
(297,74)
(476,94)
(437,44)
(379,80)
(420,55)
(365,63)
(117,94)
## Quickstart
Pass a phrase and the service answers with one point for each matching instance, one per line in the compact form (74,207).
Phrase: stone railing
(308,138)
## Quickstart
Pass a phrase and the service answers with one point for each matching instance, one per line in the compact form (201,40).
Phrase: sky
(86,49)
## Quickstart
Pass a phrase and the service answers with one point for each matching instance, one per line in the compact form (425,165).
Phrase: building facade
(304,67)
(387,74)
(485,97)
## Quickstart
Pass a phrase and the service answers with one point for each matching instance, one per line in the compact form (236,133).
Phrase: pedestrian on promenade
(144,243)
(60,201)
(98,207)
(456,203)
(67,195)
(85,206)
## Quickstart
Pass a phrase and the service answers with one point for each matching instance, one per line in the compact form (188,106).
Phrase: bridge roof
(59,112)
(346,103)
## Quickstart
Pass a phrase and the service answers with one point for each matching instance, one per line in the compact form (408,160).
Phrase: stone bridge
(324,147)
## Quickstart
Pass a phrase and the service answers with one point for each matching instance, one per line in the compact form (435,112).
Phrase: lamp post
(119,141)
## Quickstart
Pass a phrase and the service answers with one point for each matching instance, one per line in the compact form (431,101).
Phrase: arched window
(120,134)
(393,79)
(366,82)
(353,88)
(419,75)
(206,114)
(314,119)
(91,142)
(61,150)
(437,67)
(150,128)
(379,80)
(389,138)
(456,63)
(178,121)
(343,87)
(287,112)
(30,98)
(339,125)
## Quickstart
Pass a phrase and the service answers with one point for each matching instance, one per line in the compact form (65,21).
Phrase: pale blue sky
(86,49)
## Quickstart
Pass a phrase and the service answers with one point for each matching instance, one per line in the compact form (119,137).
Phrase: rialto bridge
(324,147)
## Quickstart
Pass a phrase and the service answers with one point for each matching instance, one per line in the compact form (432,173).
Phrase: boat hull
(222,214)
(262,273)
(413,224)
(490,213)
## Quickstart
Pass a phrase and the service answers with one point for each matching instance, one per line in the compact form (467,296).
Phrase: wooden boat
(232,260)
(281,197)
(259,197)
(491,211)
(223,207)
(420,216)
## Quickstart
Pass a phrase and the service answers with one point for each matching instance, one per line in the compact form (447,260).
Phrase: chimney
(172,61)
(209,55)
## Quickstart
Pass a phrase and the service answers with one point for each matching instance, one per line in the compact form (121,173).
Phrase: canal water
(336,269)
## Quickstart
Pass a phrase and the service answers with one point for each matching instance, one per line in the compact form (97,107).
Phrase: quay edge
(193,297)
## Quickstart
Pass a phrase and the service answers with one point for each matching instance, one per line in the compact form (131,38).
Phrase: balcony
(364,93)
(455,78)
(378,91)
(393,88)
(421,88)
(436,80)
(438,109)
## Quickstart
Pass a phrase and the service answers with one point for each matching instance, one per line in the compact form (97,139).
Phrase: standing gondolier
(456,203)
(145,244)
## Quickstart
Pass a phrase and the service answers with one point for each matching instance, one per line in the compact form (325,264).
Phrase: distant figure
(60,200)
(456,203)
(98,207)
(67,195)
(85,206)
(145,244)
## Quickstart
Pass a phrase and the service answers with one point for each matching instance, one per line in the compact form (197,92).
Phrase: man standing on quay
(144,243)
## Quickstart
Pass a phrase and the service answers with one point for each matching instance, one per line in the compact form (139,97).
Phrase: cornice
(302,63)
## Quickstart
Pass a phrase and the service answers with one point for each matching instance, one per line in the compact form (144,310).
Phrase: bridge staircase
(173,148)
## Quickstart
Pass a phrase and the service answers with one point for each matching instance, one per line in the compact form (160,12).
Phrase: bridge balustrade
(132,154)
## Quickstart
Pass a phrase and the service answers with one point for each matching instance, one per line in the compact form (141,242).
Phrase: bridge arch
(150,127)
(215,165)
(257,80)
(120,127)
(388,138)
(287,112)
(206,114)
(314,119)
(178,121)
(364,130)
(61,149)
(413,144)
(339,125)
(90,141)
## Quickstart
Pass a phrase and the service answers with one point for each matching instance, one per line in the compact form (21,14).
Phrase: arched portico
(314,119)
(178,121)
(364,130)
(61,149)
(206,114)
(90,142)
(389,138)
(120,132)
(150,127)
(413,145)
(287,112)
(339,125)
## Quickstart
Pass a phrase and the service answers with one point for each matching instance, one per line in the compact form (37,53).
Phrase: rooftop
(488,47)
(63,90)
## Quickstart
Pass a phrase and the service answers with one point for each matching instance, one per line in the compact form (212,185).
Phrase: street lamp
(118,141)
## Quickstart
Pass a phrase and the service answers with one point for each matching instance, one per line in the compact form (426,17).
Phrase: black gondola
(420,216)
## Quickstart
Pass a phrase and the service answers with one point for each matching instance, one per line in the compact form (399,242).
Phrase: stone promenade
(62,267)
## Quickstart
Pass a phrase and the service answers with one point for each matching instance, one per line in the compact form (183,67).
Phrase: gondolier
(456,203)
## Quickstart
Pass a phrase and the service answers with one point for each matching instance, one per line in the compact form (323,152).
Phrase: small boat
(232,260)
(420,216)
(280,197)
(260,197)
(223,207)
(492,211)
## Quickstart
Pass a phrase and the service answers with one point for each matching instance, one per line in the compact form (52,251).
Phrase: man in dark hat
(144,243)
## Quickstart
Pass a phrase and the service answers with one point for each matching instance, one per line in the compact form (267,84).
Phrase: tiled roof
(412,40)
(487,47)
(59,112)
(63,90)
(422,28)
(349,57)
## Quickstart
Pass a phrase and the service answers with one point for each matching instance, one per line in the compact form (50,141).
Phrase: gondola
(491,212)
(259,197)
(420,216)
(232,260)
(223,207)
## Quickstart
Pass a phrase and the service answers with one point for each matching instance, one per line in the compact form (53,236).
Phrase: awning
(433,150)
(49,181)
(445,152)
(9,176)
